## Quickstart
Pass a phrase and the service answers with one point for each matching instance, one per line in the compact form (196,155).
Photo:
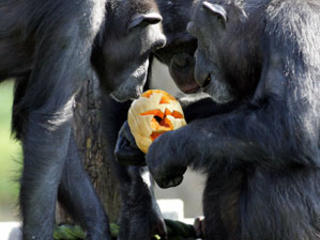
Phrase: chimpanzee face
(129,38)
(178,54)
(210,25)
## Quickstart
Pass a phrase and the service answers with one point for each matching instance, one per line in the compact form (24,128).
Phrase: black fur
(178,56)
(180,46)
(140,216)
(262,158)
(50,47)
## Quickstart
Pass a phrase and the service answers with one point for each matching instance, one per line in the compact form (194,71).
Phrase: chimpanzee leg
(60,64)
(214,229)
(77,195)
(44,153)
(140,212)
(221,199)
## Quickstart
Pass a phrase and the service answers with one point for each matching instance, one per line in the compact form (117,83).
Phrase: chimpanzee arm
(259,137)
(278,129)
(128,153)
(140,217)
(206,107)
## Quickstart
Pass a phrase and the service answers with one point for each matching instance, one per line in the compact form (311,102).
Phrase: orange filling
(165,100)
(166,123)
(155,112)
(166,97)
(174,114)
(160,123)
(155,135)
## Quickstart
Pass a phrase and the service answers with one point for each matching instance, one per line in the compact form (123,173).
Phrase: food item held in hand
(153,114)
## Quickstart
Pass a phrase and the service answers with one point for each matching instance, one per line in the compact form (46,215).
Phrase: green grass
(10,154)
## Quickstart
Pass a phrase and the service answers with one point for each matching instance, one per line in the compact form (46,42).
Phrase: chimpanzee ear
(144,19)
(217,10)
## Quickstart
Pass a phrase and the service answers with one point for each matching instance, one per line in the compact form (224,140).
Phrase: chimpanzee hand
(168,157)
(126,150)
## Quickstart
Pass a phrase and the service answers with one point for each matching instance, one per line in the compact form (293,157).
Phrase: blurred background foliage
(10,157)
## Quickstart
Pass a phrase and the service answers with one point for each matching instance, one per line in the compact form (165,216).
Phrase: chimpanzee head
(179,50)
(132,29)
(227,59)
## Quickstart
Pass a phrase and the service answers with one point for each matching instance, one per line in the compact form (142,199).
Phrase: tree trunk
(90,140)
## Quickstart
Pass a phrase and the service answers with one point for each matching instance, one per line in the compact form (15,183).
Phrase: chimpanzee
(262,158)
(140,217)
(49,47)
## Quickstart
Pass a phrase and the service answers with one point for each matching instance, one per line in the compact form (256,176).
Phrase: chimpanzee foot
(142,226)
(158,227)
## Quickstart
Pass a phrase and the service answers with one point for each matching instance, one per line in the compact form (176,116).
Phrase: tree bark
(89,136)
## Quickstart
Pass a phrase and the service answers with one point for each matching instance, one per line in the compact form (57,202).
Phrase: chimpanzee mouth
(119,99)
(123,94)
(190,88)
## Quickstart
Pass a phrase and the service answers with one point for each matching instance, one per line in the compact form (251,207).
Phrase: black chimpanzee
(49,46)
(262,158)
(140,217)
